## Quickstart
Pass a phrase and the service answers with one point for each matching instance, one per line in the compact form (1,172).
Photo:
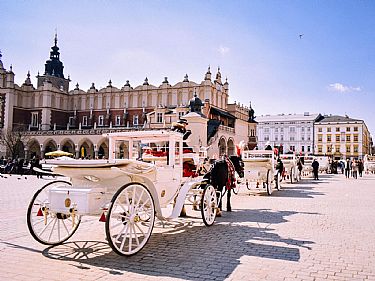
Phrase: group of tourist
(18,165)
(353,168)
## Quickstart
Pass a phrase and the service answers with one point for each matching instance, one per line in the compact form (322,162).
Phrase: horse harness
(231,182)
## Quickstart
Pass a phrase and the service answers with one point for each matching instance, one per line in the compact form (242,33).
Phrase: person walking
(360,167)
(347,168)
(315,166)
(355,169)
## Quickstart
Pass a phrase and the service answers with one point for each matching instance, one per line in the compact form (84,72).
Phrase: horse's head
(238,165)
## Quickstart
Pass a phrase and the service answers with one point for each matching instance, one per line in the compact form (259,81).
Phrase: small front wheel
(209,205)
(45,225)
(130,219)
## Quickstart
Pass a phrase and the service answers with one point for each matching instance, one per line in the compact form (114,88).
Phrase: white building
(289,132)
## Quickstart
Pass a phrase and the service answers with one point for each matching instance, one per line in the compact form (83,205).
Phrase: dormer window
(84,120)
(101,120)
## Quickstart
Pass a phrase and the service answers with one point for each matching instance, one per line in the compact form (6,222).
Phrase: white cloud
(341,88)
(223,50)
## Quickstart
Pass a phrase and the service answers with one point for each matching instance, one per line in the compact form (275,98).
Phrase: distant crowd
(19,166)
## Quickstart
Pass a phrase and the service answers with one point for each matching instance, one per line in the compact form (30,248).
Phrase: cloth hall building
(52,116)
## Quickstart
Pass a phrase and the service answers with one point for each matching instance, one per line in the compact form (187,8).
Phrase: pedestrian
(348,168)
(315,166)
(355,169)
(360,167)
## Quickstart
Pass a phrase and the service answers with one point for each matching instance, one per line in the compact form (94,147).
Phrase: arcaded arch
(49,145)
(231,147)
(86,149)
(67,145)
(33,149)
(222,146)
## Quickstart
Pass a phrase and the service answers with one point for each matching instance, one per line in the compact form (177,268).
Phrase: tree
(13,142)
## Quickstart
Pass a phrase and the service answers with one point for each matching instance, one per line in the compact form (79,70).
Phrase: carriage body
(307,162)
(290,167)
(128,193)
(323,164)
(369,163)
(259,168)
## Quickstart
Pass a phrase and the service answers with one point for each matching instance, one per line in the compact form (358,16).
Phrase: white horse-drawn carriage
(369,163)
(307,165)
(291,172)
(324,164)
(260,170)
(126,193)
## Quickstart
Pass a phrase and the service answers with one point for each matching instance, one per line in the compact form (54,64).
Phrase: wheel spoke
(67,231)
(122,230)
(130,238)
(53,227)
(124,238)
(135,234)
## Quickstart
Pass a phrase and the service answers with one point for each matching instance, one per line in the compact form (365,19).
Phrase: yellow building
(341,137)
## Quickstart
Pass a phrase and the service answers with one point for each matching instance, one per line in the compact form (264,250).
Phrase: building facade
(55,117)
(288,132)
(342,137)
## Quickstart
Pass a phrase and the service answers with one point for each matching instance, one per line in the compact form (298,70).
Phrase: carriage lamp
(72,212)
(45,214)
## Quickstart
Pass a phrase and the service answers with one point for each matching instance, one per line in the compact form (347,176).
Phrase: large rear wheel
(130,219)
(45,225)
(269,183)
(209,205)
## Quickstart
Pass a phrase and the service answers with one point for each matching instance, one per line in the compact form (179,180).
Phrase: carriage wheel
(48,227)
(208,205)
(269,183)
(291,175)
(130,219)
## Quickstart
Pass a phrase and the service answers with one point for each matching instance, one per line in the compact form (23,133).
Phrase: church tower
(54,71)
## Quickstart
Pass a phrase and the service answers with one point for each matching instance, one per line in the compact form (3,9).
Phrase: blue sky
(330,70)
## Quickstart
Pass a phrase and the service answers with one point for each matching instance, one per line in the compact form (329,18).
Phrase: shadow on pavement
(192,252)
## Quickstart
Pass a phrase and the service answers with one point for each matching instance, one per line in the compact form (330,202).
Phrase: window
(348,148)
(308,148)
(101,120)
(266,130)
(319,130)
(348,129)
(84,120)
(320,149)
(276,138)
(252,132)
(320,138)
(281,130)
(355,129)
(292,148)
(329,129)
(302,129)
(276,130)
(308,137)
(291,138)
(329,148)
(266,138)
(159,117)
(308,129)
(355,149)
(292,129)
(281,137)
(337,138)
(337,129)
(34,119)
(135,120)
(328,138)
(303,148)
(348,138)
(355,138)
(337,148)
(303,138)
(71,121)
(118,120)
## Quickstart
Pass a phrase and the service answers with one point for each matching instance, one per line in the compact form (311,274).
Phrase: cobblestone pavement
(313,230)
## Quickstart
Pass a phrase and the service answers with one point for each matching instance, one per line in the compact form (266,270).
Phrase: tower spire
(55,36)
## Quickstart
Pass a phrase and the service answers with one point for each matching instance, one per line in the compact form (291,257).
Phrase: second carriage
(260,170)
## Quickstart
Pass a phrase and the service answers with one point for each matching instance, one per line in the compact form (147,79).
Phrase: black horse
(221,175)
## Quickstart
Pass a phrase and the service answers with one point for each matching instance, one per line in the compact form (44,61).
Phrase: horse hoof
(218,213)
(229,209)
